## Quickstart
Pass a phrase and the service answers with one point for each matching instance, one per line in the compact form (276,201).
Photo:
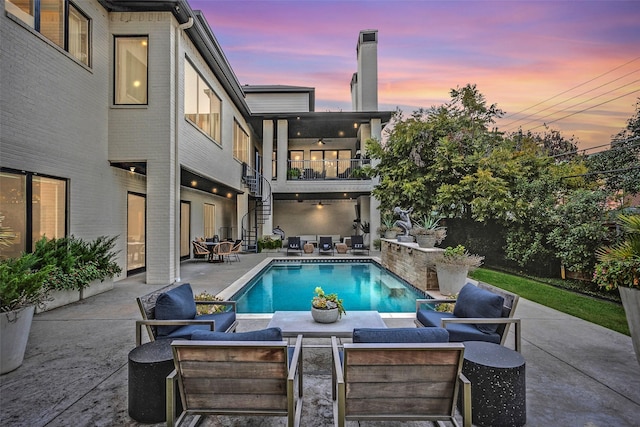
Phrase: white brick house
(124,118)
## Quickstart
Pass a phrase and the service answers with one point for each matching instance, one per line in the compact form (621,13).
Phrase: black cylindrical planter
(149,365)
(498,389)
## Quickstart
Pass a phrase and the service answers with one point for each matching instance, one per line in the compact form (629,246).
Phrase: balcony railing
(312,170)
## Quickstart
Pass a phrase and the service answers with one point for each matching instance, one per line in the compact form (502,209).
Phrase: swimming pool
(363,285)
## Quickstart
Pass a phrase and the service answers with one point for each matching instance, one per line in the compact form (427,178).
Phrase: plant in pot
(428,232)
(326,308)
(22,288)
(618,267)
(453,266)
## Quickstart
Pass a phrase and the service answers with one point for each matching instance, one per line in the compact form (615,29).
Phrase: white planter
(14,333)
(96,287)
(390,234)
(58,299)
(325,316)
(631,303)
(451,278)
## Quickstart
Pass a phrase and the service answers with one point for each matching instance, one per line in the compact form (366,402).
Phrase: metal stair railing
(260,189)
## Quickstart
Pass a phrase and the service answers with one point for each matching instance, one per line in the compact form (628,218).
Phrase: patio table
(293,323)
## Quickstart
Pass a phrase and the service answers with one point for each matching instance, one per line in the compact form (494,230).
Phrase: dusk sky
(574,65)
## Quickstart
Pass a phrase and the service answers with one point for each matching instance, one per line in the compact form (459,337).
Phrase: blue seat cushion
(176,304)
(222,322)
(400,335)
(269,334)
(458,332)
(473,301)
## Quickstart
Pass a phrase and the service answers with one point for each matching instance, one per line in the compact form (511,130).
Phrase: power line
(603,172)
(580,103)
(587,109)
(569,99)
(575,87)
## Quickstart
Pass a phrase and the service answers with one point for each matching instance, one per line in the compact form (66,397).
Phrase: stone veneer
(411,262)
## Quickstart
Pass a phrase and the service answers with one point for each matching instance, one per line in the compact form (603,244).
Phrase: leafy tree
(619,166)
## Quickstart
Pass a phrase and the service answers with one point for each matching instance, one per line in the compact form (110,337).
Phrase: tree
(619,166)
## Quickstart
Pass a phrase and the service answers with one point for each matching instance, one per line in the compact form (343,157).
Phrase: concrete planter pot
(325,316)
(96,287)
(59,299)
(426,240)
(631,303)
(390,234)
(451,277)
(14,333)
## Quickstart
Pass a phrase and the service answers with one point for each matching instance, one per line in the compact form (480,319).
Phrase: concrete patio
(75,367)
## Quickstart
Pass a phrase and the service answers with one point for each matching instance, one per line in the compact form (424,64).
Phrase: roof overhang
(321,124)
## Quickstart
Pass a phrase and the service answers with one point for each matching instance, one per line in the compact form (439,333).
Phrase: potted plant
(22,288)
(293,173)
(452,267)
(428,232)
(618,267)
(326,308)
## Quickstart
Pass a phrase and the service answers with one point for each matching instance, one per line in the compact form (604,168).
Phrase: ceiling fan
(320,204)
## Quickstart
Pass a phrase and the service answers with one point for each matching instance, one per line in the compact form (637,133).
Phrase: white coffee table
(293,323)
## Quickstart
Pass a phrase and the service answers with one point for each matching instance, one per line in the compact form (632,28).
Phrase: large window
(31,206)
(58,20)
(240,143)
(202,106)
(209,219)
(185,229)
(131,70)
(136,233)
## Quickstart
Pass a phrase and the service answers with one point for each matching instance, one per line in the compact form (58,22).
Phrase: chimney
(364,83)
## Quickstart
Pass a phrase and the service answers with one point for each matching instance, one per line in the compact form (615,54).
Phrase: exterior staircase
(260,195)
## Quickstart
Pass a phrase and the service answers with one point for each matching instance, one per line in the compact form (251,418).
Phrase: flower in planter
(324,301)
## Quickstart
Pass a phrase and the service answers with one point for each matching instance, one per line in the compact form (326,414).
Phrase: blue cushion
(222,322)
(475,302)
(458,332)
(400,335)
(176,304)
(269,334)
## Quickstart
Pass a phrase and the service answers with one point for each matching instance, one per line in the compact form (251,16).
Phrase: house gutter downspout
(177,214)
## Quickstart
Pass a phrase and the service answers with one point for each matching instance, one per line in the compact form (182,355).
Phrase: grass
(603,313)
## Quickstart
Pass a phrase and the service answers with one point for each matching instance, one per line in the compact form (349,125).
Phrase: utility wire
(587,109)
(575,87)
(603,172)
(569,99)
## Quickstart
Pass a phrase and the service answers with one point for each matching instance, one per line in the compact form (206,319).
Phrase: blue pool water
(362,285)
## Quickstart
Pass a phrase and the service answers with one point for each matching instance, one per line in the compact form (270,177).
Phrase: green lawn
(603,313)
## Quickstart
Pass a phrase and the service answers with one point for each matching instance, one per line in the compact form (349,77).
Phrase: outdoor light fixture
(320,142)
(132,168)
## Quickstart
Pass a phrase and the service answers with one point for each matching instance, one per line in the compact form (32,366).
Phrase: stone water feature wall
(411,262)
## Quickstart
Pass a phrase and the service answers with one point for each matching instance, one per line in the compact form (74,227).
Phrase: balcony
(326,170)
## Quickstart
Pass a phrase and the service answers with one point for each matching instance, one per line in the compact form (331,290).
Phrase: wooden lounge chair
(399,381)
(183,324)
(325,245)
(293,245)
(357,244)
(253,378)
(481,313)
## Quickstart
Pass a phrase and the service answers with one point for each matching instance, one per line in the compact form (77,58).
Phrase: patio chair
(357,244)
(325,245)
(293,245)
(480,313)
(255,374)
(397,375)
(171,313)
(223,249)
(236,249)
(200,250)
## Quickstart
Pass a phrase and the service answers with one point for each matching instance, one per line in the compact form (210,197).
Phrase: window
(240,143)
(185,229)
(202,107)
(209,219)
(131,70)
(58,20)
(136,232)
(32,206)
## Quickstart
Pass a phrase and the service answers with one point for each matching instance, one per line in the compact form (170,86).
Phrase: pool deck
(75,368)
